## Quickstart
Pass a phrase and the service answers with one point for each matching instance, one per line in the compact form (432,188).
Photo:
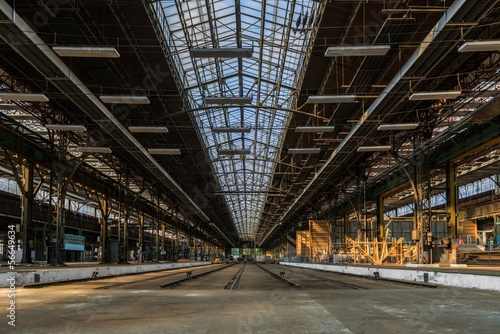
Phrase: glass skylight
(279,33)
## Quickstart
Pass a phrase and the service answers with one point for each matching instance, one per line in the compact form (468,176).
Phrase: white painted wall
(60,275)
(471,281)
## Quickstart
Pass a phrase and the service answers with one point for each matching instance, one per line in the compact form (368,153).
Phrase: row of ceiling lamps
(357,50)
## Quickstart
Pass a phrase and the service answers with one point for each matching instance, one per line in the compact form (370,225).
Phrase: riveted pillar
(380,218)
(452,198)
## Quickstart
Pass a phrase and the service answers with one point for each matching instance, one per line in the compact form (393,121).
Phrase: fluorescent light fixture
(357,50)
(29,97)
(93,149)
(480,46)
(232,130)
(314,129)
(65,127)
(124,99)
(401,126)
(221,52)
(229,100)
(148,129)
(86,51)
(331,99)
(310,150)
(438,95)
(374,148)
(165,151)
(10,106)
(22,116)
(231,152)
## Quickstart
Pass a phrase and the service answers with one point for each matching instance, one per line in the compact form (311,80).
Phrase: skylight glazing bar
(271,75)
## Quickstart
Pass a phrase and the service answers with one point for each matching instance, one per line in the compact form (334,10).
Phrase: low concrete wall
(67,274)
(471,281)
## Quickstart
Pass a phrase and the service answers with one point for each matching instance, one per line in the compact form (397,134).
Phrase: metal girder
(90,178)
(477,136)
(46,62)
(419,62)
(210,77)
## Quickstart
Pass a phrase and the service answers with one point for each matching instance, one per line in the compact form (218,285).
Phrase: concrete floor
(262,304)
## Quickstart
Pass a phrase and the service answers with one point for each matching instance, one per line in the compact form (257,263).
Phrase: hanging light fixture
(165,151)
(380,148)
(304,150)
(221,52)
(28,97)
(148,129)
(65,127)
(480,46)
(314,129)
(400,126)
(331,99)
(228,100)
(357,50)
(86,51)
(124,99)
(437,95)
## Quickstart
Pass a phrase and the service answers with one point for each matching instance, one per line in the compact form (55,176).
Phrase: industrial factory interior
(250,166)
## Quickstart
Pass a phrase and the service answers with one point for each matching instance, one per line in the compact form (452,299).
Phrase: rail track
(234,283)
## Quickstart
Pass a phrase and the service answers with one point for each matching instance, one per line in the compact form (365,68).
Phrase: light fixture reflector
(21,117)
(331,99)
(229,100)
(480,46)
(233,152)
(232,130)
(438,95)
(314,129)
(124,99)
(221,52)
(86,51)
(380,148)
(10,106)
(165,151)
(357,50)
(65,127)
(148,129)
(401,126)
(93,149)
(305,150)
(29,97)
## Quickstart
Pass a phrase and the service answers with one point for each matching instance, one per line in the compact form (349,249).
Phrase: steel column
(27,209)
(380,217)
(452,198)
(105,208)
(141,237)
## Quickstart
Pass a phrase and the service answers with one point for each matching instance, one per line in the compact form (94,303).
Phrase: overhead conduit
(18,34)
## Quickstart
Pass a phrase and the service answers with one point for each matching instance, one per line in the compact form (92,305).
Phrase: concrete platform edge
(69,274)
(470,281)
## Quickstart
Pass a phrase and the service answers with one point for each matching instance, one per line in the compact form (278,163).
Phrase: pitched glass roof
(279,34)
